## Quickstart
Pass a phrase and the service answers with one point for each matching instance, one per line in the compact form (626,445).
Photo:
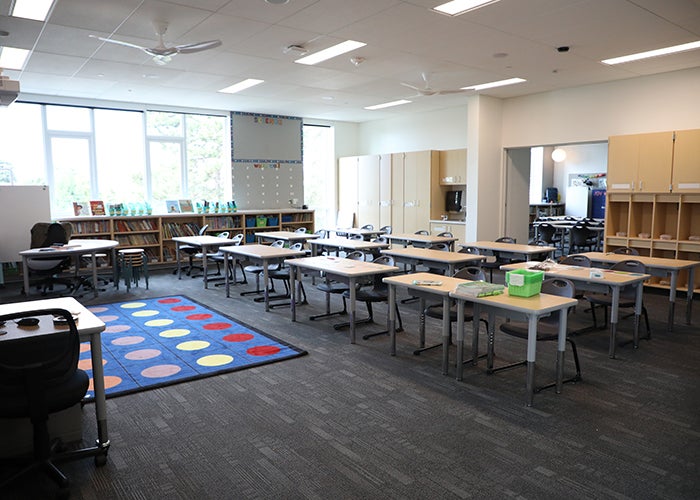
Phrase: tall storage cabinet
(640,163)
(415,177)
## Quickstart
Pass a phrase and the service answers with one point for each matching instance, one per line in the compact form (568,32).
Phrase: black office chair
(496,260)
(547,328)
(47,269)
(39,376)
(378,292)
(330,287)
(581,239)
(436,310)
(191,251)
(548,233)
(627,295)
(257,270)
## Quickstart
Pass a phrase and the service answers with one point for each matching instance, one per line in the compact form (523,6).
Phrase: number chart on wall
(266,163)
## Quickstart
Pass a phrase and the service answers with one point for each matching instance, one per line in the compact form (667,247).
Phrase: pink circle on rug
(84,346)
(198,317)
(263,350)
(238,337)
(170,300)
(110,381)
(86,364)
(130,340)
(97,309)
(143,354)
(109,317)
(217,326)
(158,371)
(183,308)
(117,328)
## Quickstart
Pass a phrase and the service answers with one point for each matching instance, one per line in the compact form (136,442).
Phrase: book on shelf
(81,208)
(172,206)
(479,289)
(97,207)
(186,206)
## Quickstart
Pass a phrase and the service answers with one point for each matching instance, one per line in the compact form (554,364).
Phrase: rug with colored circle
(167,340)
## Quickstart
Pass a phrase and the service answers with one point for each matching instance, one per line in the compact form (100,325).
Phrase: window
(22,157)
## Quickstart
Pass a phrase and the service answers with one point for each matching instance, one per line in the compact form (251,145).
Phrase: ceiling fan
(427,90)
(161,53)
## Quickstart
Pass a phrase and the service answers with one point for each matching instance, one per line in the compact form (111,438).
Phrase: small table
(75,248)
(344,244)
(262,253)
(532,308)
(365,233)
(346,270)
(287,236)
(206,243)
(444,260)
(510,250)
(658,266)
(89,327)
(610,280)
(423,240)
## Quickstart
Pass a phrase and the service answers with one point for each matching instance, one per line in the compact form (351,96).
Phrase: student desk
(531,308)
(345,270)
(423,240)
(75,248)
(658,266)
(90,328)
(265,254)
(206,243)
(510,250)
(438,258)
(344,244)
(365,233)
(611,280)
(289,237)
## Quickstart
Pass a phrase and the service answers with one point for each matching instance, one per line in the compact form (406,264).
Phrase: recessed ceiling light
(237,87)
(331,52)
(499,83)
(653,53)
(32,9)
(388,104)
(13,58)
(458,7)
(277,2)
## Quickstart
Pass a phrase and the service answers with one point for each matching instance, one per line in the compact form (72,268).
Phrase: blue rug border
(298,351)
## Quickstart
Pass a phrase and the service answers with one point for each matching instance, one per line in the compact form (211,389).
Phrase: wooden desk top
(342,267)
(262,251)
(286,235)
(657,262)
(448,284)
(509,247)
(202,241)
(348,243)
(537,304)
(577,273)
(421,238)
(427,254)
(73,247)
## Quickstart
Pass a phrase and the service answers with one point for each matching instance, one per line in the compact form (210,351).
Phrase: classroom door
(517,194)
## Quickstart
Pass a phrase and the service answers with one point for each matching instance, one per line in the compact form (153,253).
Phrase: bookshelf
(154,233)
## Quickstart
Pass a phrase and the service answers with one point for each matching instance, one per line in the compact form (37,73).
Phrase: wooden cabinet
(414,184)
(640,163)
(686,161)
(453,167)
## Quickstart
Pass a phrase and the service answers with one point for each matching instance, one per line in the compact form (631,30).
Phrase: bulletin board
(20,208)
(266,161)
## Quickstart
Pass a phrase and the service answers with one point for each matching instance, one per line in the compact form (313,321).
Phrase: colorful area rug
(156,342)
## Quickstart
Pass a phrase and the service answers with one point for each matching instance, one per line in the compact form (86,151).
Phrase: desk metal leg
(689,295)
(460,340)
(25,276)
(204,266)
(99,386)
(266,281)
(353,308)
(561,349)
(93,260)
(392,319)
(614,312)
(445,334)
(227,283)
(531,354)
(177,258)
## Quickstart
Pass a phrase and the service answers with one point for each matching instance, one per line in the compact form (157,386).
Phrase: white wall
(580,159)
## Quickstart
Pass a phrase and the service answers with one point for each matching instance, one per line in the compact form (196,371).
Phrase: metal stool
(133,263)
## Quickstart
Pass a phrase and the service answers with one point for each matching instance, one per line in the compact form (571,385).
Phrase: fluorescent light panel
(653,53)
(32,9)
(458,7)
(13,58)
(499,83)
(331,52)
(245,84)
(388,104)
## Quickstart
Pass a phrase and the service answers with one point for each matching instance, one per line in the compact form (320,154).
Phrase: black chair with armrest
(496,260)
(47,269)
(547,329)
(39,376)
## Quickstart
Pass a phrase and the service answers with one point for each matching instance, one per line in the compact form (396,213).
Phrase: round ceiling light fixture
(277,2)
(558,155)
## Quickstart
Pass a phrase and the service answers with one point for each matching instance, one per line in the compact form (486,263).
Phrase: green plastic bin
(523,282)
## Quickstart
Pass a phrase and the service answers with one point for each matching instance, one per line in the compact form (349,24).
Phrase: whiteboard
(260,138)
(20,208)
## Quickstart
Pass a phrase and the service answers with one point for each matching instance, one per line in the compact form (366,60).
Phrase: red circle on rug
(217,326)
(263,350)
(171,300)
(197,317)
(183,308)
(238,337)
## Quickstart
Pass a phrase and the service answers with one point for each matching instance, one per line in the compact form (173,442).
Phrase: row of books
(137,239)
(135,225)
(93,207)
(224,222)
(173,229)
(90,227)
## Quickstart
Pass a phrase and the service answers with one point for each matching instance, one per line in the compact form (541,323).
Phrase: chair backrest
(296,246)
(381,239)
(576,260)
(237,240)
(321,233)
(629,266)
(203,229)
(38,363)
(626,251)
(580,235)
(470,250)
(387,260)
(561,287)
(356,255)
(300,230)
(446,234)
(422,231)
(505,239)
(385,229)
(45,234)
(443,247)
(368,227)
(355,237)
(546,231)
(470,273)
(223,234)
(277,244)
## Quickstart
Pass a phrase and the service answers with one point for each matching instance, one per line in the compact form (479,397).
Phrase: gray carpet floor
(350,421)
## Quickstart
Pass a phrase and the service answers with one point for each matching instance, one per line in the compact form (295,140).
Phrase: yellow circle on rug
(215,360)
(133,305)
(159,322)
(145,313)
(193,345)
(174,332)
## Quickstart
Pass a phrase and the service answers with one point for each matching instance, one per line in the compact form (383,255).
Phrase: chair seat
(332,287)
(435,311)
(369,295)
(16,404)
(545,331)
(606,300)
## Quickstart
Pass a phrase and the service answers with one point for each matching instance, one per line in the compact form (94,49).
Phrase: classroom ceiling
(510,38)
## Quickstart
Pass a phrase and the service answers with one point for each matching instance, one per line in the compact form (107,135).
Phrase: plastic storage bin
(286,218)
(273,221)
(250,222)
(261,221)
(523,282)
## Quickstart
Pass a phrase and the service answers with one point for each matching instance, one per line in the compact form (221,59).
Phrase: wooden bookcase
(154,233)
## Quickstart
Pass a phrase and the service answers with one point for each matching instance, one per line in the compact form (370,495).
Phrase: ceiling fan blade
(119,42)
(162,51)
(456,91)
(197,47)
(413,87)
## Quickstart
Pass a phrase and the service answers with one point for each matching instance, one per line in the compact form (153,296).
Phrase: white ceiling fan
(161,53)
(427,90)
